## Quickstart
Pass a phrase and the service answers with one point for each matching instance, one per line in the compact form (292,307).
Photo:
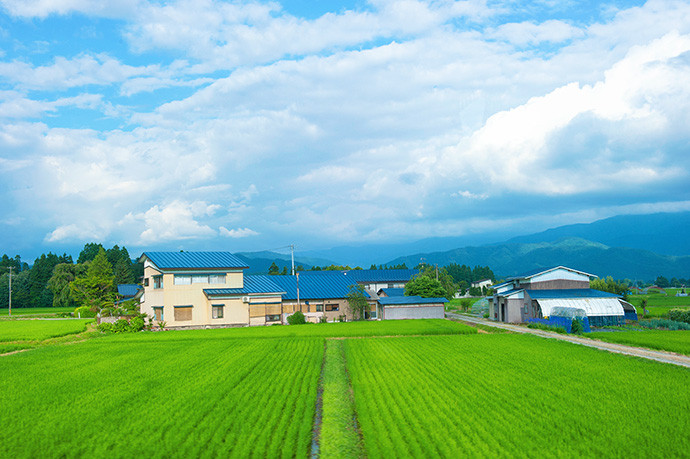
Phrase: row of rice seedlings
(528,396)
(328,330)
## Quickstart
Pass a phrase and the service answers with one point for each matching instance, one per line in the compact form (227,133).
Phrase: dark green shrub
(680,315)
(121,326)
(577,327)
(136,324)
(105,327)
(486,315)
(296,318)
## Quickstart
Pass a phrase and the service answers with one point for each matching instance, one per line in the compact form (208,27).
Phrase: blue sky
(212,125)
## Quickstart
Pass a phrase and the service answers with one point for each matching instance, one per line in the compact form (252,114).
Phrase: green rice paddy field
(253,392)
(659,304)
(675,341)
(17,334)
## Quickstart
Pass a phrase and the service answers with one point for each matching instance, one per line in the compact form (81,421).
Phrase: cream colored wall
(171,295)
(234,312)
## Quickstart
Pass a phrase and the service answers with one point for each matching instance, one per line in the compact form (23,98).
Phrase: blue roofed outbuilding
(412,307)
(128,290)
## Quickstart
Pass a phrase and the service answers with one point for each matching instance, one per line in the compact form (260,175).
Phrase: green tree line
(434,282)
(55,280)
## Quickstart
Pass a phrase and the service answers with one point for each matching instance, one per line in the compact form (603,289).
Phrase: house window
(332,307)
(157,281)
(319,308)
(182,280)
(146,282)
(372,314)
(216,279)
(200,279)
(158,313)
(217,311)
(272,317)
(183,313)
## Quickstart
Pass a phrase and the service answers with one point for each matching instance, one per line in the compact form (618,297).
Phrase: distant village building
(535,295)
(412,307)
(484,283)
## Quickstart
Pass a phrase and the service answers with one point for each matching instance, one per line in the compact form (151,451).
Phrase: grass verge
(339,436)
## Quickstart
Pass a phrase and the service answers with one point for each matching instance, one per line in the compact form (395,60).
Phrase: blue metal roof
(393,291)
(252,284)
(194,260)
(127,290)
(394,300)
(569,293)
(368,275)
(314,286)
(510,292)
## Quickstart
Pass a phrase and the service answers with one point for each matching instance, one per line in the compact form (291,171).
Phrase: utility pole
(10,301)
(299,305)
(436,271)
(292,256)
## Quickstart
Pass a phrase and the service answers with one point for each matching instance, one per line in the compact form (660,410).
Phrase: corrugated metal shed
(194,260)
(252,284)
(127,290)
(569,293)
(592,306)
(394,300)
(314,286)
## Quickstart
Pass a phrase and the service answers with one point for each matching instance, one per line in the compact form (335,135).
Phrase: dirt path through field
(660,356)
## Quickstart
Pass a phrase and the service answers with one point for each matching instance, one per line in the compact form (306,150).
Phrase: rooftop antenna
(292,256)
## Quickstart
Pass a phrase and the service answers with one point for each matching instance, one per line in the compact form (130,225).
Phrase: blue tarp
(565,322)
(631,316)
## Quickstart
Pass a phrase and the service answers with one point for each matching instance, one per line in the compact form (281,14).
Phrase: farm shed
(601,308)
(412,307)
(535,294)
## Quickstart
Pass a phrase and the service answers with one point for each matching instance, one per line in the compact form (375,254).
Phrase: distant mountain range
(663,233)
(593,257)
(626,246)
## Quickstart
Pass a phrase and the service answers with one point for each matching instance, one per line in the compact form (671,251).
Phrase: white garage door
(414,312)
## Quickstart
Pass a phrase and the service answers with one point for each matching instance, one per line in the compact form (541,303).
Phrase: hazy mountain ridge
(632,246)
(593,257)
(662,233)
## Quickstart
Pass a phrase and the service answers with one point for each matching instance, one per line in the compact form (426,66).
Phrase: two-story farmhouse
(536,294)
(205,288)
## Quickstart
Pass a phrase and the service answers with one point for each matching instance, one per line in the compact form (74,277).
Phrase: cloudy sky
(249,125)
